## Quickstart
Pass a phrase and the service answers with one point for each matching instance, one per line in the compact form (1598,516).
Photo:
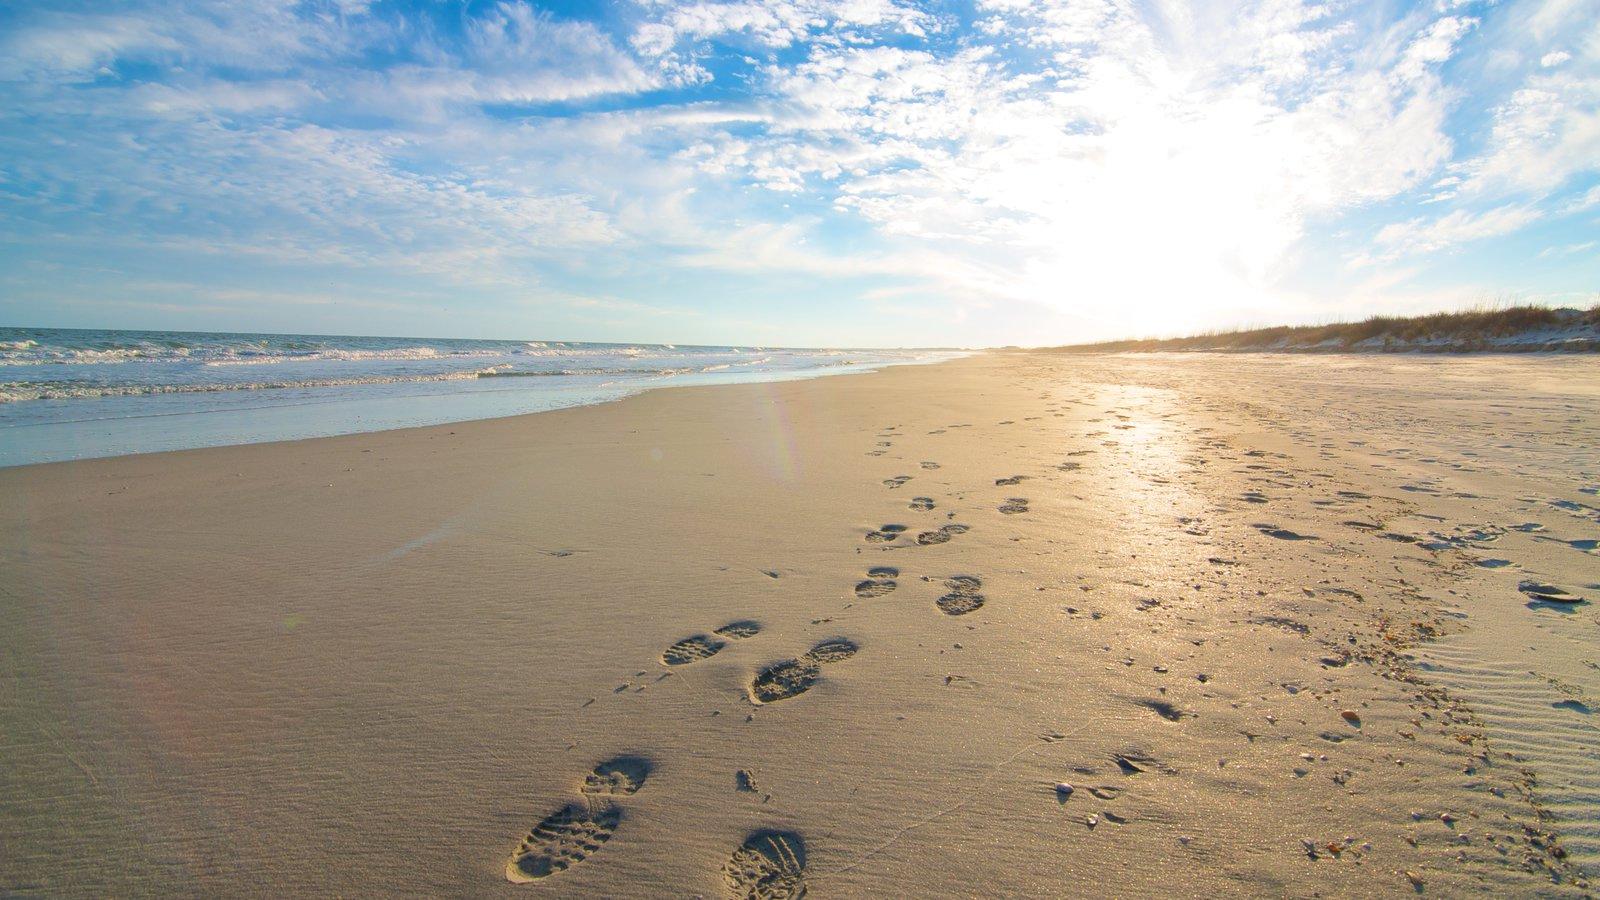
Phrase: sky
(799,172)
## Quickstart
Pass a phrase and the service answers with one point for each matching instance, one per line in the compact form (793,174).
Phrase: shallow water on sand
(73,394)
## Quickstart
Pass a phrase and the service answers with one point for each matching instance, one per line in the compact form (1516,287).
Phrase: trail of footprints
(769,863)
(578,830)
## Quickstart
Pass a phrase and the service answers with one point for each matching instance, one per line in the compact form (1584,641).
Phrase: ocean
(76,394)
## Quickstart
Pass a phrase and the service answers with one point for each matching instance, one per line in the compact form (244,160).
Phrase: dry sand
(1244,606)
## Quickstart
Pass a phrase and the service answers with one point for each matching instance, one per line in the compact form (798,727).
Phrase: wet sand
(1020,624)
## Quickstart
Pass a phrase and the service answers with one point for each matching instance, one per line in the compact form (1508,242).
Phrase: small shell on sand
(1063,790)
(1351,716)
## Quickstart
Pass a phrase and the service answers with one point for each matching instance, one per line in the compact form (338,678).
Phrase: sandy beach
(1021,624)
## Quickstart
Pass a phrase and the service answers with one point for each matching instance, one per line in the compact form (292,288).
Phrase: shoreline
(385,658)
(341,415)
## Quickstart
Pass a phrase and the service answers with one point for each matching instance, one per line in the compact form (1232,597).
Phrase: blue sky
(804,172)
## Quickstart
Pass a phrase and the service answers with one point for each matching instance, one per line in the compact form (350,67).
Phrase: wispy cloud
(1459,227)
(1070,164)
(1568,250)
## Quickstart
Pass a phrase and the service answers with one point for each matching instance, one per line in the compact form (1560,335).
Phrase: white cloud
(1547,129)
(1545,134)
(1093,156)
(1135,163)
(1419,236)
(74,48)
(517,54)
(674,35)
(245,35)
(1568,249)
(1588,200)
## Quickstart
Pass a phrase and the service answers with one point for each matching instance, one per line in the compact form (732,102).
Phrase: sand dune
(1021,625)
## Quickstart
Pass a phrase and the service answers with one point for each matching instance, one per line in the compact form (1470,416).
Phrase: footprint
(783,680)
(794,677)
(897,481)
(1282,534)
(964,596)
(571,834)
(930,465)
(564,839)
(831,651)
(885,533)
(769,865)
(691,649)
(945,533)
(617,777)
(922,504)
(740,630)
(879,581)
(1014,505)
(1547,593)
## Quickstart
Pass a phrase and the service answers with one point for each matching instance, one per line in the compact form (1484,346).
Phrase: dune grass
(1483,328)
